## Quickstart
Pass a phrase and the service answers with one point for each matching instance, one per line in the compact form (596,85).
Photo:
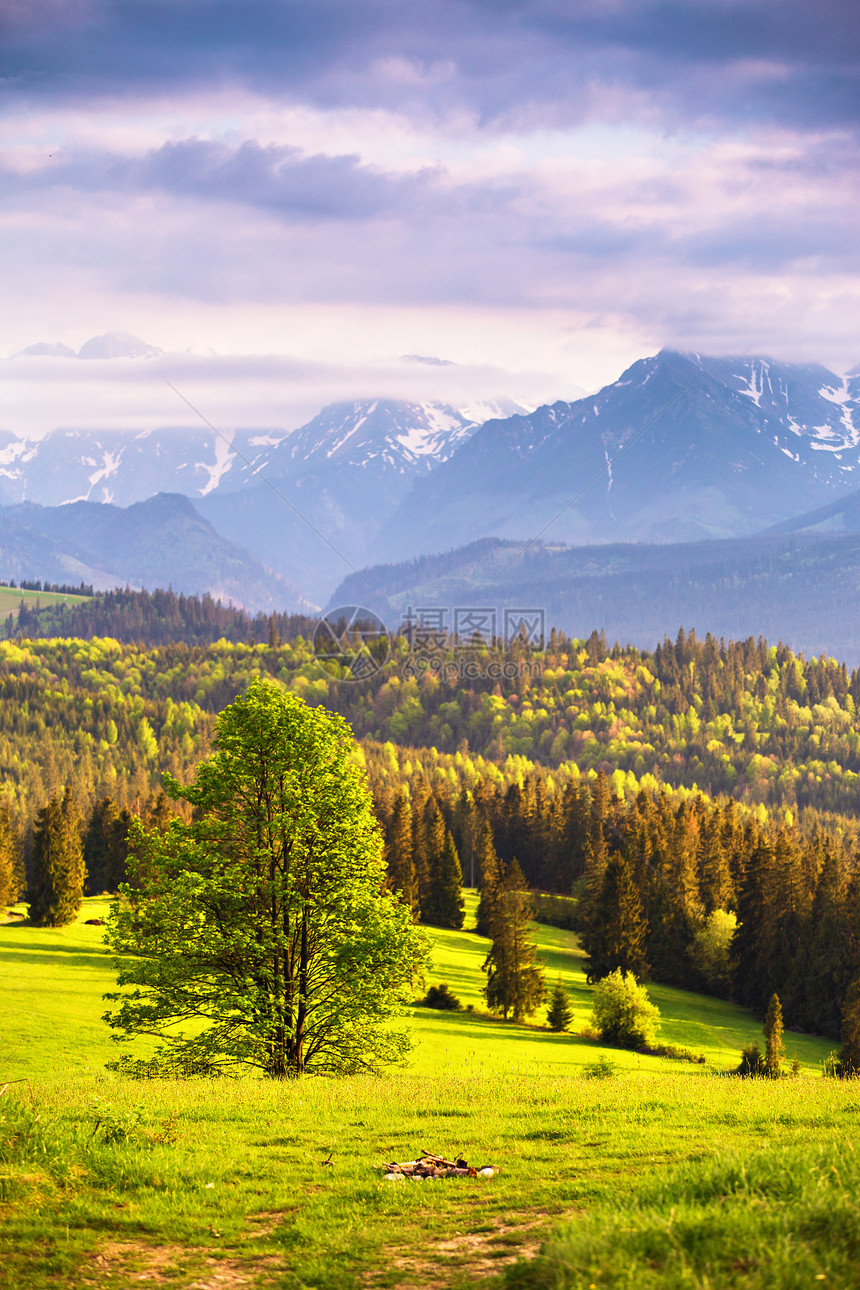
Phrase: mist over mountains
(647,496)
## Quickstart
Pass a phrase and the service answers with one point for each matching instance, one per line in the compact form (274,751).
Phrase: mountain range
(800,588)
(680,453)
(161,542)
(680,448)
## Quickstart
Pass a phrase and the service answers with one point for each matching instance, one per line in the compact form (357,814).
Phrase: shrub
(603,1068)
(622,1013)
(711,946)
(833,1068)
(439,996)
(752,1062)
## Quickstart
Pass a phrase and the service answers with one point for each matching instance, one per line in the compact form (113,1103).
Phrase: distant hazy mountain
(162,542)
(113,344)
(708,448)
(842,516)
(332,484)
(803,590)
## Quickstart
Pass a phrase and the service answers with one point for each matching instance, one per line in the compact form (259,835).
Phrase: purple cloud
(727,60)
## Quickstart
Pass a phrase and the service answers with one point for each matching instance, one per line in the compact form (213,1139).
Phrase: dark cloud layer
(273,178)
(787,61)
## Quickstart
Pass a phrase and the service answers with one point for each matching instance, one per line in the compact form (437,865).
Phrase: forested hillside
(771,729)
(665,789)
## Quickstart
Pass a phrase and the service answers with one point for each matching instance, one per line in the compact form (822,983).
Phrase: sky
(291,196)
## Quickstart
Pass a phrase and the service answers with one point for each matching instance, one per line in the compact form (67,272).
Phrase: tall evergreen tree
(617,930)
(490,872)
(399,858)
(432,846)
(105,846)
(11,860)
(515,982)
(829,964)
(445,900)
(58,874)
(849,1055)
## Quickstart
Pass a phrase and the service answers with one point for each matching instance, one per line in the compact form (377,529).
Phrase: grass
(665,1175)
(11,597)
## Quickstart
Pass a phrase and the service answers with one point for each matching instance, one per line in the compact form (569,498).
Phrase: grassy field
(53,980)
(11,597)
(665,1175)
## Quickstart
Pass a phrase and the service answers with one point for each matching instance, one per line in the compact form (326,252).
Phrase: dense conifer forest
(700,801)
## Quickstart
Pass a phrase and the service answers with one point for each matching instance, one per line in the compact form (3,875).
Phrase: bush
(711,946)
(603,1068)
(673,1052)
(439,996)
(752,1062)
(622,1013)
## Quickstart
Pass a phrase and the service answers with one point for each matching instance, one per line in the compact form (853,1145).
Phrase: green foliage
(560,1012)
(603,1068)
(515,982)
(712,945)
(446,908)
(261,931)
(112,1124)
(622,1013)
(849,1055)
(399,857)
(752,1061)
(774,1048)
(442,998)
(616,932)
(58,874)
(11,858)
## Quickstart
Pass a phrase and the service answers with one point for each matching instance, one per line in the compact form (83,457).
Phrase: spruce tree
(774,1051)
(432,847)
(560,1011)
(399,859)
(57,883)
(515,982)
(616,933)
(849,1056)
(10,857)
(490,874)
(446,908)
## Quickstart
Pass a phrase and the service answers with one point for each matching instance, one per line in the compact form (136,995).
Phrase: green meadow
(11,597)
(665,1174)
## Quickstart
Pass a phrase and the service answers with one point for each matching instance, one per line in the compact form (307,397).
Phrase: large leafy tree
(58,872)
(261,932)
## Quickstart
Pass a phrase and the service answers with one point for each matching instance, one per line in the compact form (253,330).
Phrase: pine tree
(399,859)
(849,1057)
(58,873)
(432,847)
(10,857)
(445,905)
(490,874)
(560,1012)
(617,930)
(515,982)
(773,1027)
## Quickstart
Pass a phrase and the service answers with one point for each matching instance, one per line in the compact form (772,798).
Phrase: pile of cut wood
(429,1165)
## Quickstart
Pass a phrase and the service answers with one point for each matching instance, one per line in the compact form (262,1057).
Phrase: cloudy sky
(544,188)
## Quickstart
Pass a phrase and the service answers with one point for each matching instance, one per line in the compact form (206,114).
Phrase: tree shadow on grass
(74,956)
